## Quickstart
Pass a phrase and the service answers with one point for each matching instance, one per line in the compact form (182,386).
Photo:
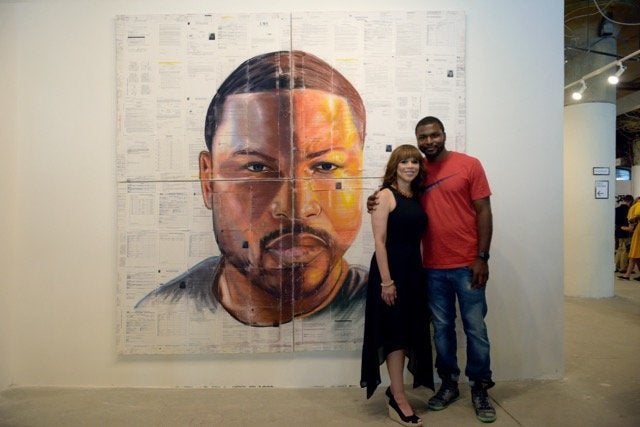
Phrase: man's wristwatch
(483,255)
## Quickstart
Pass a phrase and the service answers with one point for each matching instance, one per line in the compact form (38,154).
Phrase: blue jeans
(444,286)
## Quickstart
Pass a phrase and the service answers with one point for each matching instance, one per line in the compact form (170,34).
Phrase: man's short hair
(284,70)
(429,120)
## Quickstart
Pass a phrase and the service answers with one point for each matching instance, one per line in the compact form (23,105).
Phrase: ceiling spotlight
(615,78)
(577,95)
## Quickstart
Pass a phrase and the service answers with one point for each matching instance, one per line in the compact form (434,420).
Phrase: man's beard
(432,155)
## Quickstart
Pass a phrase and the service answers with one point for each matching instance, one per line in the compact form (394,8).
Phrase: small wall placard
(601,170)
(602,189)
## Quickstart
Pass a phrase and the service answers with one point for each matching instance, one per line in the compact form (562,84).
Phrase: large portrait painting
(246,147)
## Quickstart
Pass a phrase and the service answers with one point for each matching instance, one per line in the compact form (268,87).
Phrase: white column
(589,141)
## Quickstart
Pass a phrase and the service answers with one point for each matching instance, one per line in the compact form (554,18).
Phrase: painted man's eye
(325,166)
(257,167)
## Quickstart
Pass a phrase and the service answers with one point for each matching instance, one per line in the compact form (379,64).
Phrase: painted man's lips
(299,248)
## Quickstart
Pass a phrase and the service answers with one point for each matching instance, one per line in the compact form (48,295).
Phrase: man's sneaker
(480,399)
(447,394)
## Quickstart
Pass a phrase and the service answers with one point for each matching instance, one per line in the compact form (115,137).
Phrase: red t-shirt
(451,239)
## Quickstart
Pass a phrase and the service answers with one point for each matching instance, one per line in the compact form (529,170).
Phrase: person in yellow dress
(634,251)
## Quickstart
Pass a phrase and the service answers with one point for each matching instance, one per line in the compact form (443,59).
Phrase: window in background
(623,174)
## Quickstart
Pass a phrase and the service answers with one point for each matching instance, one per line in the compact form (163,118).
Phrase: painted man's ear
(206,184)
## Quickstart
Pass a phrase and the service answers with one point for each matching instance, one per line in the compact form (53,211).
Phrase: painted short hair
(284,70)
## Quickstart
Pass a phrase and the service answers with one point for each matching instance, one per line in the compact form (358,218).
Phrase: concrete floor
(601,388)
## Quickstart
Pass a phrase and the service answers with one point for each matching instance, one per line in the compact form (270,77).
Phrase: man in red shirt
(455,255)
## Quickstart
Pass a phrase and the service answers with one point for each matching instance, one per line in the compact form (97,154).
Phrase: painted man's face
(285,191)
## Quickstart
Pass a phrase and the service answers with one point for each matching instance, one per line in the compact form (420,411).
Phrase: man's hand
(480,270)
(372,202)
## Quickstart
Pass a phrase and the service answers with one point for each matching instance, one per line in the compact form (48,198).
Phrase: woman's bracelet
(385,285)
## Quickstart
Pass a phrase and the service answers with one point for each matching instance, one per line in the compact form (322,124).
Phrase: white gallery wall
(8,188)
(58,187)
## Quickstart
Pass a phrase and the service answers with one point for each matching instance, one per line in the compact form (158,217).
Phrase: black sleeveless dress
(405,325)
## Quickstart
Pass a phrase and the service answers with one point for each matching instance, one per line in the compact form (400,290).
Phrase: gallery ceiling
(582,21)
(585,29)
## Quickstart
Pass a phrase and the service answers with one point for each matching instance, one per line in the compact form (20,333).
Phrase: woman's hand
(389,294)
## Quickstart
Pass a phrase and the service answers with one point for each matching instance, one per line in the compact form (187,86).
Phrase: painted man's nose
(295,200)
